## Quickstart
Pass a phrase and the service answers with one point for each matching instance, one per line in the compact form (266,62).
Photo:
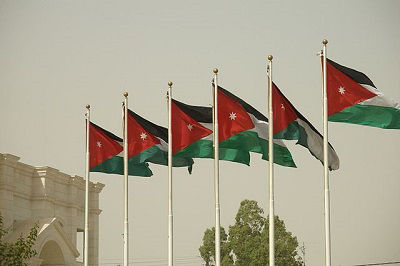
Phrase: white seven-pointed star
(190,127)
(282,106)
(341,90)
(232,116)
(143,136)
(98,144)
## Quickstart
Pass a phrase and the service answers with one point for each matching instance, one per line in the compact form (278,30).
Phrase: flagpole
(326,170)
(85,252)
(216,173)
(170,214)
(271,166)
(126,223)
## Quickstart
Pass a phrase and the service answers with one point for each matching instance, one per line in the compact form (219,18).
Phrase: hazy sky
(57,56)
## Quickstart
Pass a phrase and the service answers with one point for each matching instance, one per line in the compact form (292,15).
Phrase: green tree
(207,250)
(247,241)
(16,254)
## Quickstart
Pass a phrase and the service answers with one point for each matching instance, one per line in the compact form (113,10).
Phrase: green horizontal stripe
(115,165)
(204,149)
(250,141)
(369,115)
(294,132)
(309,139)
(149,154)
(157,156)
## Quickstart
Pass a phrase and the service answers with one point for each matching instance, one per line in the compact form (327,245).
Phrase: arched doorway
(51,254)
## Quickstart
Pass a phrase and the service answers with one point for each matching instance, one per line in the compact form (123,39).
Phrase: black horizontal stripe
(250,109)
(155,130)
(202,114)
(301,116)
(355,75)
(107,133)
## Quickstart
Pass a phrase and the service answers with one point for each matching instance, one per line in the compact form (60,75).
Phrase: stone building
(53,200)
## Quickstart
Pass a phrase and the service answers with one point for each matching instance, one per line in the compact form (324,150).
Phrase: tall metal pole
(326,170)
(126,223)
(170,214)
(86,249)
(271,167)
(216,174)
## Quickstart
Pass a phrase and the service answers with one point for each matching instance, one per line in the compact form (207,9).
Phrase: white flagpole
(271,166)
(85,252)
(216,174)
(126,223)
(326,170)
(170,214)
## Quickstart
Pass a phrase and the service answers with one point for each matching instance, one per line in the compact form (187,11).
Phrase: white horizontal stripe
(380,99)
(121,154)
(163,146)
(315,145)
(261,128)
(210,127)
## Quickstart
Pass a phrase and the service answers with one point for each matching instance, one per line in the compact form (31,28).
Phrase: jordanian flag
(290,124)
(243,127)
(106,154)
(192,134)
(148,142)
(353,98)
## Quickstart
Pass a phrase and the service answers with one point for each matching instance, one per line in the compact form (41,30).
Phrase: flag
(148,142)
(192,134)
(353,98)
(106,154)
(242,127)
(290,124)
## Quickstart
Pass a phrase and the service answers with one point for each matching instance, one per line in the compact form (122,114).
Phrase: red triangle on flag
(101,146)
(232,117)
(284,113)
(185,130)
(342,91)
(139,139)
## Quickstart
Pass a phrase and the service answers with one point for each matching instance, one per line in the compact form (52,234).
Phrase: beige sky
(57,56)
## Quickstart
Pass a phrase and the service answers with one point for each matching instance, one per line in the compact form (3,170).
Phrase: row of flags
(242,129)
(351,98)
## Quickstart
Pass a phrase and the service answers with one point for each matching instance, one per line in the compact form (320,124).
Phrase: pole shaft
(216,176)
(326,170)
(271,170)
(86,250)
(126,223)
(170,214)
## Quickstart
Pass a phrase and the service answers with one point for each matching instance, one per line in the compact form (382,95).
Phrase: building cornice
(48,198)
(48,173)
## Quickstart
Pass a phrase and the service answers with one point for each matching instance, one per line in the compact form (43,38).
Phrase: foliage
(16,254)
(207,250)
(247,241)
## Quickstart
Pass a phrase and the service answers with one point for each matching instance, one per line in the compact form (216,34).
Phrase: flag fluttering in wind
(242,127)
(106,154)
(148,142)
(192,134)
(290,124)
(353,98)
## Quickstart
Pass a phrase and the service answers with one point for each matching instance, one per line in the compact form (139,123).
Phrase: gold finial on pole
(324,41)
(88,106)
(125,94)
(170,84)
(215,70)
(270,57)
